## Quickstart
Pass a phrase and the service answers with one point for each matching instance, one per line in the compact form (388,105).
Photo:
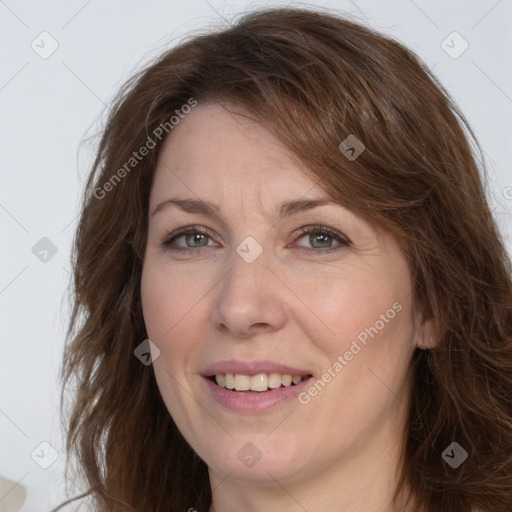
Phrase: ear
(426,337)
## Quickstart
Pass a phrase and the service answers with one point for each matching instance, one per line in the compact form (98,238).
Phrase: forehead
(219,154)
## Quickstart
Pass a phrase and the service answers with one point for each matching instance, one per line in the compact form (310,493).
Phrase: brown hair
(314,79)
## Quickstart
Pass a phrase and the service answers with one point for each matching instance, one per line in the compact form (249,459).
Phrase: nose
(249,299)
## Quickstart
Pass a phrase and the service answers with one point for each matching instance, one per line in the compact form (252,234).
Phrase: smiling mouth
(259,383)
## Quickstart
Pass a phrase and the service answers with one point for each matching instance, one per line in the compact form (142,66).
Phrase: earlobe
(426,338)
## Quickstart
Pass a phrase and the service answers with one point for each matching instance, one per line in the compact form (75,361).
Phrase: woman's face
(250,294)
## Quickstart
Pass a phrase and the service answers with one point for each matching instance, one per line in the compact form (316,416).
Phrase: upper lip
(252,368)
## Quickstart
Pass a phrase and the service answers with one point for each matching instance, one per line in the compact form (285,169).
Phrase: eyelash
(318,229)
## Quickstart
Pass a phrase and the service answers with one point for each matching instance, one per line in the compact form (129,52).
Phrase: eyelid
(184,231)
(343,241)
(322,228)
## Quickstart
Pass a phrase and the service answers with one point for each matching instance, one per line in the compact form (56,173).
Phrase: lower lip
(254,401)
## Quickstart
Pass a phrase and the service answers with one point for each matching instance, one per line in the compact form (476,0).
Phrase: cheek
(168,300)
(365,353)
(167,312)
(349,305)
(162,312)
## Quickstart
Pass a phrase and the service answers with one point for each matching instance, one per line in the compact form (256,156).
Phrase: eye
(321,237)
(195,237)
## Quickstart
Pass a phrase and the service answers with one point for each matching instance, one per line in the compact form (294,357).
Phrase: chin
(257,459)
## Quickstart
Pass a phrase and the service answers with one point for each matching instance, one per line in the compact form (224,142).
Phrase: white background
(49,105)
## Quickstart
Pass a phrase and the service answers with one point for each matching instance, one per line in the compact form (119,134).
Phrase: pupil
(196,237)
(323,239)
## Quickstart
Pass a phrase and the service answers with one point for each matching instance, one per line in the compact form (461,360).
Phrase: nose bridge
(244,297)
(247,277)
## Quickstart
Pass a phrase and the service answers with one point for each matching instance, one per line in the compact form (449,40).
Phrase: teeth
(260,382)
(230,381)
(242,382)
(286,380)
(274,380)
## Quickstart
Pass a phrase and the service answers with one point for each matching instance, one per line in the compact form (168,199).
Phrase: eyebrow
(206,208)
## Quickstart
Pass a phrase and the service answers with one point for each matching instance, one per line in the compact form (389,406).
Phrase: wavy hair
(313,78)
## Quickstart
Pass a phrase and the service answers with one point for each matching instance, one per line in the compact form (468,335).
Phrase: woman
(290,293)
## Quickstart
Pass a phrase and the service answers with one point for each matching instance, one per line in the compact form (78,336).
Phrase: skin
(303,309)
